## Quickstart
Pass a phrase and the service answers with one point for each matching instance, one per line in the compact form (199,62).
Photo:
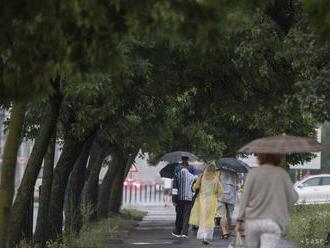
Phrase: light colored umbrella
(282,144)
(174,157)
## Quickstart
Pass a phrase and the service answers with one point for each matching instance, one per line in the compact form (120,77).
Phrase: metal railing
(145,194)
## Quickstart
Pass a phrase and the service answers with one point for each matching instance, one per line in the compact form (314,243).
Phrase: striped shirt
(182,186)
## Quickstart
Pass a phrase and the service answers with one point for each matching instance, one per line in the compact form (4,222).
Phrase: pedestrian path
(155,231)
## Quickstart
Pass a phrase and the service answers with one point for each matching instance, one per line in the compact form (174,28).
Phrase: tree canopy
(117,77)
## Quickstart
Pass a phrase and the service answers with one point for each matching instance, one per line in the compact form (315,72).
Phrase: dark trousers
(183,209)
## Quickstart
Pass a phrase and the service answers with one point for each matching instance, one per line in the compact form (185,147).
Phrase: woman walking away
(207,188)
(268,195)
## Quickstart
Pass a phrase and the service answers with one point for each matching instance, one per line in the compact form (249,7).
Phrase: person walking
(182,198)
(205,206)
(226,202)
(264,207)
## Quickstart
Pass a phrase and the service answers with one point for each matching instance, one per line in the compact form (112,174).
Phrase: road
(155,231)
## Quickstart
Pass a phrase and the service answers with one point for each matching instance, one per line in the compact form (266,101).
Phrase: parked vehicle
(314,189)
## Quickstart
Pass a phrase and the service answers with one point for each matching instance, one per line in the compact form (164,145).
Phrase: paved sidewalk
(155,231)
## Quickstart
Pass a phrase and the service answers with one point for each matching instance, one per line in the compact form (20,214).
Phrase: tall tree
(91,187)
(25,191)
(7,184)
(73,218)
(45,193)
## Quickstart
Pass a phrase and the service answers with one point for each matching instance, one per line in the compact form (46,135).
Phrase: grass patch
(113,229)
(310,225)
(131,213)
(104,233)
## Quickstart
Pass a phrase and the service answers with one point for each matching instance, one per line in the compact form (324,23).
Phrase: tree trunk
(73,219)
(109,182)
(90,191)
(105,189)
(70,153)
(27,226)
(116,192)
(44,195)
(7,183)
(26,189)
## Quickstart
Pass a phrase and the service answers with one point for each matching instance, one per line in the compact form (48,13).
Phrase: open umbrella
(194,167)
(232,164)
(282,144)
(169,170)
(174,157)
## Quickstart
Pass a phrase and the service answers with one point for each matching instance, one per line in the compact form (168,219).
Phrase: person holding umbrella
(227,201)
(229,167)
(269,192)
(182,198)
(174,165)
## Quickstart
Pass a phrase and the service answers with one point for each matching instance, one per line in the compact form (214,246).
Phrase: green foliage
(205,76)
(310,225)
(310,59)
(208,100)
(239,66)
(319,13)
(41,41)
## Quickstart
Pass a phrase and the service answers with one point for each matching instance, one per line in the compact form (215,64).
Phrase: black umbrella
(168,171)
(195,167)
(232,164)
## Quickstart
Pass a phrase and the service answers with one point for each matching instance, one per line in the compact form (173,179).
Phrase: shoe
(176,235)
(205,242)
(225,236)
(194,228)
(184,236)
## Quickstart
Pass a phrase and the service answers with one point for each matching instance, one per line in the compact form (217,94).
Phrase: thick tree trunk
(44,196)
(7,183)
(116,192)
(73,218)
(115,170)
(90,191)
(26,189)
(70,153)
(105,189)
(27,226)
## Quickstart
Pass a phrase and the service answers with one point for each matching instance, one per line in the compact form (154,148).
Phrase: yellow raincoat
(205,205)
